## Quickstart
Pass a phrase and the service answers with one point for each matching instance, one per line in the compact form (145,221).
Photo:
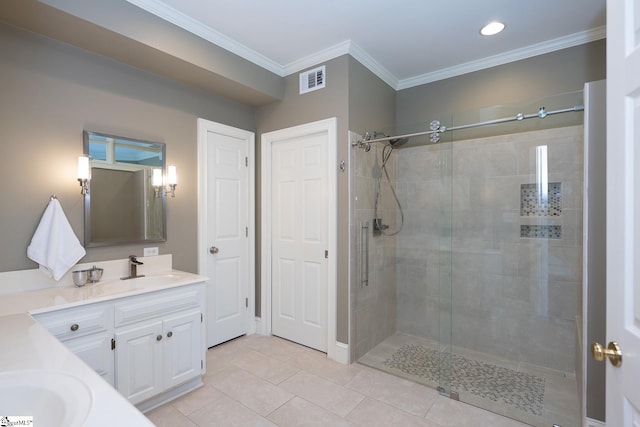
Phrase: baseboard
(169,395)
(339,353)
(595,423)
(258,328)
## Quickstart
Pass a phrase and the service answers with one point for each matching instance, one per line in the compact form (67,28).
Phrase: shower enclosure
(467,246)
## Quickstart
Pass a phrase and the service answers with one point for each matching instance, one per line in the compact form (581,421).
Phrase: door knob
(612,352)
(213,250)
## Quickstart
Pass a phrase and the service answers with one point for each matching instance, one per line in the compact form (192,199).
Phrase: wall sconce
(84,174)
(157,181)
(172,179)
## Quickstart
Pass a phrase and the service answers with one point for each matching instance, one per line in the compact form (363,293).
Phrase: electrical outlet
(151,251)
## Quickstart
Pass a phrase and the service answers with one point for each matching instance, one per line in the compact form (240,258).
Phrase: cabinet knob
(169,334)
(159,337)
(213,250)
(74,327)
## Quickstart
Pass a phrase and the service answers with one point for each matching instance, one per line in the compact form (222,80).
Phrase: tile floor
(268,381)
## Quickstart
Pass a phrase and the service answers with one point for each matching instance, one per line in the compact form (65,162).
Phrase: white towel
(54,245)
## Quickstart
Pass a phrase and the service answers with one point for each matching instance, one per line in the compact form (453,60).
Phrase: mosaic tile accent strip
(541,231)
(531,205)
(503,385)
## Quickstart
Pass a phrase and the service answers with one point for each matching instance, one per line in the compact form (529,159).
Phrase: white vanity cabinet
(158,355)
(159,341)
(149,346)
(88,332)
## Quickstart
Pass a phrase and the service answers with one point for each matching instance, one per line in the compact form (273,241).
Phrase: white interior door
(299,227)
(623,209)
(226,229)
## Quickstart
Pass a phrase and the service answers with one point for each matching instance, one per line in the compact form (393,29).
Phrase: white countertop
(26,345)
(43,300)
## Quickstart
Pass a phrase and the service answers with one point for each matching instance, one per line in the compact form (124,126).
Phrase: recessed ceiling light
(492,28)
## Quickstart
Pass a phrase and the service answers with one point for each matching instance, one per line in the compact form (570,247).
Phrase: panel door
(299,240)
(138,356)
(228,228)
(183,357)
(95,350)
(623,210)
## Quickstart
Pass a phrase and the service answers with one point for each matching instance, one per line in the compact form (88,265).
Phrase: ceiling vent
(312,80)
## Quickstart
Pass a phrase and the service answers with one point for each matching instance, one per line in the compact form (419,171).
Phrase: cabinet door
(95,350)
(139,361)
(183,348)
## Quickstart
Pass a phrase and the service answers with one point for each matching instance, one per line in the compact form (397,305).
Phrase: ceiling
(406,43)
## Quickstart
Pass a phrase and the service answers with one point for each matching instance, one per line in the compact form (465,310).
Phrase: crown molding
(346,47)
(169,14)
(316,58)
(163,11)
(507,57)
(374,66)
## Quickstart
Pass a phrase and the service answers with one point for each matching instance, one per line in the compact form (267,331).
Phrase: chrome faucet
(133,268)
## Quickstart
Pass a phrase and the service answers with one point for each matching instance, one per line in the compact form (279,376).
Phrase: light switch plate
(151,251)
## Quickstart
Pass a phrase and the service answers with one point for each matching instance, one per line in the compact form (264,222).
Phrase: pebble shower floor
(502,385)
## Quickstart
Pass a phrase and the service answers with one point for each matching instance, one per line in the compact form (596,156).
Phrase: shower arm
(437,128)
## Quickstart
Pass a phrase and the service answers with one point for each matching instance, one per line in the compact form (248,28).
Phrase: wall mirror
(122,206)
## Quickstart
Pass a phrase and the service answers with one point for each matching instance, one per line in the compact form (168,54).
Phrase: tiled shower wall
(512,297)
(374,303)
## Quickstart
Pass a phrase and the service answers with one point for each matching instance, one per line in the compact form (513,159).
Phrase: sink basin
(52,398)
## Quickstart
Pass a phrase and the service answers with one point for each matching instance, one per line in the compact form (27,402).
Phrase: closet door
(299,230)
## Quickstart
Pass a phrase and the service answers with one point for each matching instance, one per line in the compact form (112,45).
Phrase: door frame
(205,126)
(336,351)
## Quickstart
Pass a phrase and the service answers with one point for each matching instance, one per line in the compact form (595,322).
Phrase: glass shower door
(516,245)
(445,263)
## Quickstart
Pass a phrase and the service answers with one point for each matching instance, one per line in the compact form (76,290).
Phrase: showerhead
(398,142)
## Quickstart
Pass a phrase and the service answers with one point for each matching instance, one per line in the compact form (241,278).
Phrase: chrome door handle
(213,250)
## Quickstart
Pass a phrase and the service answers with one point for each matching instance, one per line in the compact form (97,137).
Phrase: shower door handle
(364,254)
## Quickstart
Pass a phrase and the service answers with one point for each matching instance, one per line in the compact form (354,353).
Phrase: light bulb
(492,28)
(84,168)
(172,177)
(156,178)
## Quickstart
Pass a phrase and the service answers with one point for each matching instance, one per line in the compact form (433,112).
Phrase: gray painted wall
(51,92)
(296,109)
(359,100)
(558,72)
(124,32)
(372,102)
